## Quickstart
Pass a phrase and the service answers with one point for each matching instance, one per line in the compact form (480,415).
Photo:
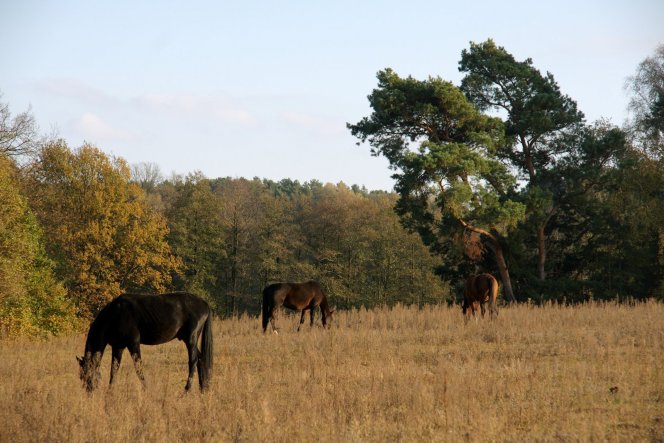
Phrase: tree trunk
(541,243)
(234,260)
(541,238)
(504,272)
(541,252)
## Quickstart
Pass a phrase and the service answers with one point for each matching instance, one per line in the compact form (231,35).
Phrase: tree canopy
(647,102)
(535,186)
(104,238)
(450,181)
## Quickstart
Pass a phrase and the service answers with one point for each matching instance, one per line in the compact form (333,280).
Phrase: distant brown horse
(480,289)
(296,296)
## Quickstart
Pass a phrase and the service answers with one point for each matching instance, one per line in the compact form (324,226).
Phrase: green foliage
(246,234)
(566,170)
(534,105)
(32,300)
(562,220)
(195,236)
(257,228)
(361,252)
(443,151)
(408,110)
(626,258)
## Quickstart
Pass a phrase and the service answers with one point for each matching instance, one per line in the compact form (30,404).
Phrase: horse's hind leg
(301,320)
(192,351)
(312,314)
(272,321)
(202,383)
(135,351)
(493,309)
(268,315)
(115,363)
(474,307)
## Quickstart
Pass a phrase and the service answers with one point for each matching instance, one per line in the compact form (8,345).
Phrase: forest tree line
(83,227)
(558,208)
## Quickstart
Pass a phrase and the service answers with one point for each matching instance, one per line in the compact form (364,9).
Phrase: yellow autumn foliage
(100,231)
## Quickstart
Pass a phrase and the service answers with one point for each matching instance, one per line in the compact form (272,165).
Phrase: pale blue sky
(257,88)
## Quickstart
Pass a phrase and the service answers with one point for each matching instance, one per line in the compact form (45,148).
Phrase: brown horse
(479,290)
(295,296)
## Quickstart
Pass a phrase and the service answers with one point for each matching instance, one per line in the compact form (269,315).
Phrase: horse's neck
(96,340)
(325,306)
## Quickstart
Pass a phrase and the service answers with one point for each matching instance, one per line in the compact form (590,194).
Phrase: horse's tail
(207,355)
(268,301)
(493,296)
(326,312)
(494,288)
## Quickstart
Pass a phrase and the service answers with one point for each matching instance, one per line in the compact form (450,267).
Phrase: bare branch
(18,135)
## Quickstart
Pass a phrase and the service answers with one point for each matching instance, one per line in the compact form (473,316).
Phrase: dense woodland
(500,174)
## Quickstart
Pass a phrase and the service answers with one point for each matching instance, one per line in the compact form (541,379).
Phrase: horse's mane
(98,327)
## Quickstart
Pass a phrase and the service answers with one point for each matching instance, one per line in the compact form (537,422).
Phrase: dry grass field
(586,373)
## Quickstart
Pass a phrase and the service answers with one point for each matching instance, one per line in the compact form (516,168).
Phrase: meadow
(554,373)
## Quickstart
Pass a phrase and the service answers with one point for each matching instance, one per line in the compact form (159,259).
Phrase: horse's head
(327,319)
(89,371)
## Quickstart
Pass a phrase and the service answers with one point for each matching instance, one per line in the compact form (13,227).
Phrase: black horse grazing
(480,289)
(296,296)
(131,320)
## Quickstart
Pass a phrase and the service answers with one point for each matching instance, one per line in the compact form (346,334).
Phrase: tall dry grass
(592,372)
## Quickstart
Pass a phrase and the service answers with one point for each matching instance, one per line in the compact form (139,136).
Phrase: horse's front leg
(192,351)
(135,352)
(115,363)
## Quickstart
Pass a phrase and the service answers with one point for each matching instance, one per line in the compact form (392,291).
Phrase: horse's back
(159,318)
(481,287)
(171,304)
(294,295)
(191,304)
